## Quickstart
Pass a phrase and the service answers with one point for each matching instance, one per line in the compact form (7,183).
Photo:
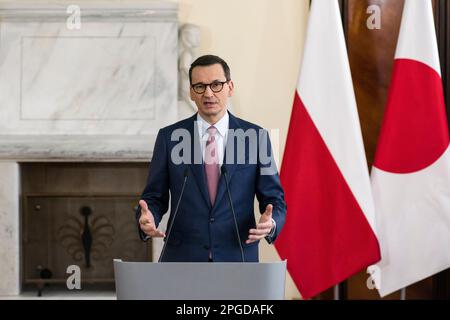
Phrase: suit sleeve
(268,186)
(156,191)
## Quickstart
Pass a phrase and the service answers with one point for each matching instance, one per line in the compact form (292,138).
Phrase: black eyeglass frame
(209,85)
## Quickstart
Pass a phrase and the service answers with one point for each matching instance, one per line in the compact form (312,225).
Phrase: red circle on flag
(414,133)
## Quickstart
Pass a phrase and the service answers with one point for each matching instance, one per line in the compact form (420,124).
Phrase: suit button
(211,219)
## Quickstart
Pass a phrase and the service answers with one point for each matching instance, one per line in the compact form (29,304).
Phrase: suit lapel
(197,160)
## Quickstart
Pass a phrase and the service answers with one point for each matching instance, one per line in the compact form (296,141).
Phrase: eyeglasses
(215,86)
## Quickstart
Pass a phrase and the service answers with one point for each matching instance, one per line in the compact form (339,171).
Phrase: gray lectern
(200,281)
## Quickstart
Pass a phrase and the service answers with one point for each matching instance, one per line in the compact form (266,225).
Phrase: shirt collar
(221,125)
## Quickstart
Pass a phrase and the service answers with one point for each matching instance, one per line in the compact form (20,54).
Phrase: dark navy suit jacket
(200,228)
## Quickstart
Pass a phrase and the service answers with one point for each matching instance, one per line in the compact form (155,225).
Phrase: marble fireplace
(79,86)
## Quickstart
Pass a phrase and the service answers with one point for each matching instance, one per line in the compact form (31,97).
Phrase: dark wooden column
(442,19)
(441,281)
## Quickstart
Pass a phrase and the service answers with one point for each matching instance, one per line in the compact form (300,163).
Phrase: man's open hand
(147,222)
(263,227)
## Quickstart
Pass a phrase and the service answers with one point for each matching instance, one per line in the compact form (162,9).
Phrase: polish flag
(329,232)
(411,172)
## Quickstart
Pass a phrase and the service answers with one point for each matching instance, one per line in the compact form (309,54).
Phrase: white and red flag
(411,171)
(329,233)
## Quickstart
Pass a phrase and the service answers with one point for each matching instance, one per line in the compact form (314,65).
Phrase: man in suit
(205,228)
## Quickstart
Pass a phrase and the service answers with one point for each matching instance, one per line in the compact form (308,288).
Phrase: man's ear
(231,86)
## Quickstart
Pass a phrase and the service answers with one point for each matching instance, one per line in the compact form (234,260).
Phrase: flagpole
(336,292)
(403,294)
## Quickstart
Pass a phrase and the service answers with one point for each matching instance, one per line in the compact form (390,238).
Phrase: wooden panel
(441,282)
(371,54)
(52,224)
(53,228)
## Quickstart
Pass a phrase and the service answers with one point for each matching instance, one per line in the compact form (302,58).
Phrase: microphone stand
(225,175)
(186,173)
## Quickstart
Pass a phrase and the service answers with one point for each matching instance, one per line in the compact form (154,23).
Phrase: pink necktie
(212,164)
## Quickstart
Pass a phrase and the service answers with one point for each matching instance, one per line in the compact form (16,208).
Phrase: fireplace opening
(75,219)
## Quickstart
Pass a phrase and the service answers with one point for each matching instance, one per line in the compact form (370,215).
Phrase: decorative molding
(56,11)
(188,44)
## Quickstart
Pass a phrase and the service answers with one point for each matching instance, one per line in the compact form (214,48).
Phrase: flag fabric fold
(329,232)
(411,172)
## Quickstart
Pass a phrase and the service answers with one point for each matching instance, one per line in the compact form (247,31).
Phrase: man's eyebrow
(216,80)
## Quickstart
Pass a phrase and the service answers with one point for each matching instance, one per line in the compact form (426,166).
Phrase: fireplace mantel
(92,87)
(76,148)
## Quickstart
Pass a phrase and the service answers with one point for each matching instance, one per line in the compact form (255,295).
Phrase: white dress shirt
(220,136)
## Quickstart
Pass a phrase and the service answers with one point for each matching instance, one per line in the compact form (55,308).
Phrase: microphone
(225,175)
(186,174)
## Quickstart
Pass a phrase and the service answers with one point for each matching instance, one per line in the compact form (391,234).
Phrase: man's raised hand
(263,227)
(147,222)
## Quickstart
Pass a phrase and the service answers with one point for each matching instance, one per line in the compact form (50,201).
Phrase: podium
(199,280)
